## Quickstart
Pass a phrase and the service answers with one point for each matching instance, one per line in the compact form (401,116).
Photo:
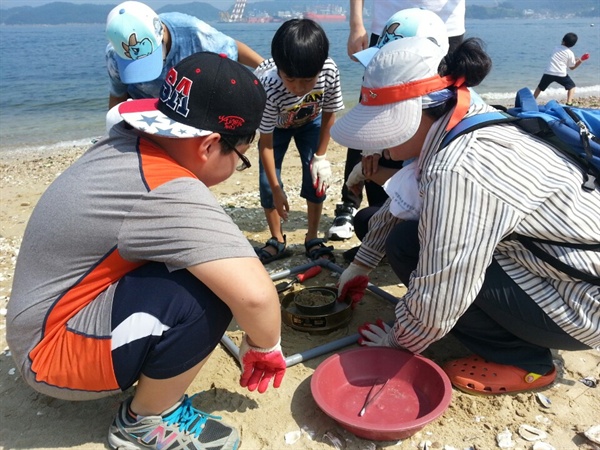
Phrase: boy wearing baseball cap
(124,273)
(143,46)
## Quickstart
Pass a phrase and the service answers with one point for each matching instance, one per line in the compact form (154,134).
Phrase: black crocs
(267,257)
(316,249)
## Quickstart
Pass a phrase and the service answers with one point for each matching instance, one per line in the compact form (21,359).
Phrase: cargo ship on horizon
(328,13)
(319,13)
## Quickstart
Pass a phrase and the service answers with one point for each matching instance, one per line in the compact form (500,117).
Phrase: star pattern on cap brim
(155,122)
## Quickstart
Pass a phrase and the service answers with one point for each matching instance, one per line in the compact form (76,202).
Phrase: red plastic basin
(418,391)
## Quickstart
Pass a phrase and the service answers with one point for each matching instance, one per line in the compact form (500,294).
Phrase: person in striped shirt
(303,94)
(462,273)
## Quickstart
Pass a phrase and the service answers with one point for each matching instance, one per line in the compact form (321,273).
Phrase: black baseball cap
(204,93)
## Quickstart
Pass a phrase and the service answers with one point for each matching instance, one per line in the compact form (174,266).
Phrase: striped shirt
(479,189)
(286,110)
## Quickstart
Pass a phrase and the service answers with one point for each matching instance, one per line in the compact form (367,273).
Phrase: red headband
(393,94)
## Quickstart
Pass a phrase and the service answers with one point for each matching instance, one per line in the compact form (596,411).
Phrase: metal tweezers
(369,399)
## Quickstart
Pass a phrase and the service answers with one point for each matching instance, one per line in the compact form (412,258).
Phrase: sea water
(54,86)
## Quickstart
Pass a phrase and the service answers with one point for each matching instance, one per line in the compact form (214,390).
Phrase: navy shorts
(172,321)
(547,80)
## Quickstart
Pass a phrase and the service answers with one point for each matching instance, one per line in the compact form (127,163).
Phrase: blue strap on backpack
(575,132)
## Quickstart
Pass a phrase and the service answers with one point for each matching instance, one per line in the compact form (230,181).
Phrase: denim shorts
(306,138)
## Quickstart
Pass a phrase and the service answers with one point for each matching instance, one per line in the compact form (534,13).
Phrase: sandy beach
(32,421)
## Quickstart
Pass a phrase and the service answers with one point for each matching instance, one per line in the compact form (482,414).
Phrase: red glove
(585,56)
(353,284)
(375,334)
(260,365)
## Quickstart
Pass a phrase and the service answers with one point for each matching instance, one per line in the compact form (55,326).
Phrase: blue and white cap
(136,33)
(411,22)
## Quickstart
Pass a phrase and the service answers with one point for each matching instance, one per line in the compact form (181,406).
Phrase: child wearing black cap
(303,95)
(123,275)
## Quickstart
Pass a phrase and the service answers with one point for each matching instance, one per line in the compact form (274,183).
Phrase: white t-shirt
(452,12)
(561,59)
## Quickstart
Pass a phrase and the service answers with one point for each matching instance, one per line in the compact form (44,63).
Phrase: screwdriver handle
(312,272)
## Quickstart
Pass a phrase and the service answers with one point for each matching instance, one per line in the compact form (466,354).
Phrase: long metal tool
(328,347)
(370,398)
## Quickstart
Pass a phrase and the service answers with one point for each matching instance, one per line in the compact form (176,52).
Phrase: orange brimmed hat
(396,80)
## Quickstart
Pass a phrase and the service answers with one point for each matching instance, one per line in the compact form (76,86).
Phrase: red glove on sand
(260,365)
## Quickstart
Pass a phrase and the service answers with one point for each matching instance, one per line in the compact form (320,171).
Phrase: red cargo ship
(328,13)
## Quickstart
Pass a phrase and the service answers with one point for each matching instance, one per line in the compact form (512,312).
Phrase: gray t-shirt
(123,203)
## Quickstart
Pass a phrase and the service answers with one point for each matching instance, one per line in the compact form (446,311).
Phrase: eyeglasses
(244,161)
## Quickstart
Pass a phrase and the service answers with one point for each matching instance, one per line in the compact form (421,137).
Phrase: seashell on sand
(531,434)
(593,434)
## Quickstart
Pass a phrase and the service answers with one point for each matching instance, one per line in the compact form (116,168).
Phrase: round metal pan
(338,316)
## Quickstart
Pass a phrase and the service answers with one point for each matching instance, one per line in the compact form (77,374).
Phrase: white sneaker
(343,224)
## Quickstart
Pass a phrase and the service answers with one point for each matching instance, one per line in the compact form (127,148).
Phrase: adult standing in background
(144,46)
(452,12)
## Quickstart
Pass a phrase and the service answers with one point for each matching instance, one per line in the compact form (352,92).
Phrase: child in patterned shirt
(303,94)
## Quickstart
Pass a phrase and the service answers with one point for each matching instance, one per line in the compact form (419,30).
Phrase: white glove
(375,334)
(356,176)
(320,170)
(353,283)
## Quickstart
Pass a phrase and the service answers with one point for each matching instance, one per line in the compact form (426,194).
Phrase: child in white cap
(143,46)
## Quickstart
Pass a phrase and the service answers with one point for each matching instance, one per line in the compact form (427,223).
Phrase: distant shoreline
(216,23)
(66,148)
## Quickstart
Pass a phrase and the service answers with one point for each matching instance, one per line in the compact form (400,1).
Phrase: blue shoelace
(189,419)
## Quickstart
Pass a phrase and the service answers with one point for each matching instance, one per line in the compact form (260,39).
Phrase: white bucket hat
(410,22)
(390,108)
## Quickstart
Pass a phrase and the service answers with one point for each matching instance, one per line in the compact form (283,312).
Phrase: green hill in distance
(64,12)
